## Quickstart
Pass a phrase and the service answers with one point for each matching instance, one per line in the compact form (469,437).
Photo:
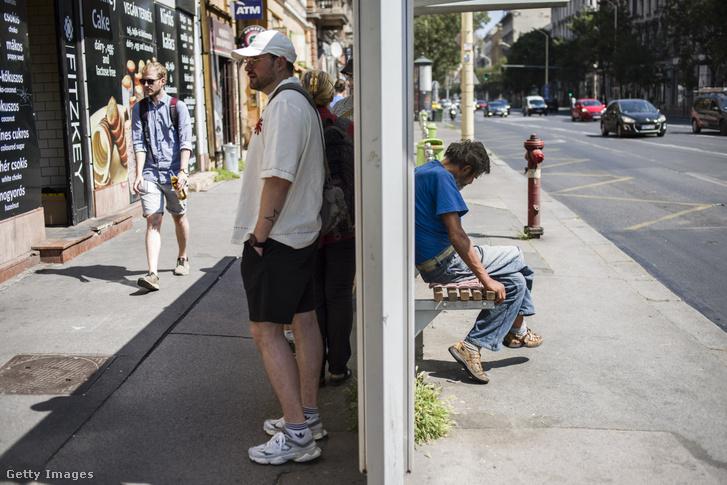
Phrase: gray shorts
(153,195)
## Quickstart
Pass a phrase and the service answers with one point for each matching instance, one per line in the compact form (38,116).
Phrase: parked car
(498,107)
(632,117)
(480,104)
(534,104)
(587,109)
(709,111)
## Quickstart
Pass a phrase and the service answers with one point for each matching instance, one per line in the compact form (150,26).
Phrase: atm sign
(249,9)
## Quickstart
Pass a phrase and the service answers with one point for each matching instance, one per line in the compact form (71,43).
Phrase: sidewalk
(628,387)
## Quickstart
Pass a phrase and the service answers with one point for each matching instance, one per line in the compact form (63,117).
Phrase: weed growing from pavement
(223,174)
(432,416)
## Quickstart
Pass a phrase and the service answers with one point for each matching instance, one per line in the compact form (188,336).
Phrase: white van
(534,104)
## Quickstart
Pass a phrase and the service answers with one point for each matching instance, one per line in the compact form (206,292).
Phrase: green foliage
(699,28)
(352,405)
(529,50)
(609,40)
(432,416)
(434,36)
(223,174)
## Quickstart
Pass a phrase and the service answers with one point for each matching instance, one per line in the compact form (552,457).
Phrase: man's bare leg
(281,368)
(309,354)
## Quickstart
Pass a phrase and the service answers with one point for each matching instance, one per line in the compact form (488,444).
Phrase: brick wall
(46,92)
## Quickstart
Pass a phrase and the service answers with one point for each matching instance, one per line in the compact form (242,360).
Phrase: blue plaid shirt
(166,144)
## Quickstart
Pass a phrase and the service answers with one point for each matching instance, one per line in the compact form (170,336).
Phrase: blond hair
(159,67)
(320,85)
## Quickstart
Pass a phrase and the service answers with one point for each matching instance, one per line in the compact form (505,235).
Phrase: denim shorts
(153,195)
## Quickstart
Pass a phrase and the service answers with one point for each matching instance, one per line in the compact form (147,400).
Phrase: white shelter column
(383,111)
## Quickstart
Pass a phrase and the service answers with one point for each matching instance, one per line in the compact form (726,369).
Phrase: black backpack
(337,212)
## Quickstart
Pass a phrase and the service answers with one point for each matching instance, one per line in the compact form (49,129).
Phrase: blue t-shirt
(436,193)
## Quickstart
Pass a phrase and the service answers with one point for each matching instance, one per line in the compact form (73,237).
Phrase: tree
(619,54)
(529,50)
(699,32)
(434,36)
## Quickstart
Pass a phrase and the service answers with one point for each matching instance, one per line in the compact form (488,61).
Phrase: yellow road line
(548,165)
(670,216)
(622,179)
(625,199)
(568,174)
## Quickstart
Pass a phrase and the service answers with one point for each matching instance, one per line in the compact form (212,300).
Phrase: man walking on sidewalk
(278,222)
(162,135)
(445,254)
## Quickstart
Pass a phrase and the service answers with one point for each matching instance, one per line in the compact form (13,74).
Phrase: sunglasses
(252,61)
(148,81)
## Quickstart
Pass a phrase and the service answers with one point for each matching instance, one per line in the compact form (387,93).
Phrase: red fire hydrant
(535,157)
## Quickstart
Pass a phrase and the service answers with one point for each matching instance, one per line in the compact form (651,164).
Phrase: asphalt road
(660,199)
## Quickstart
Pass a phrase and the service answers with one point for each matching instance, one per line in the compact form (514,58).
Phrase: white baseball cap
(269,42)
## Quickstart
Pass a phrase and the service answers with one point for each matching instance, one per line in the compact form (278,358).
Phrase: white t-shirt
(286,143)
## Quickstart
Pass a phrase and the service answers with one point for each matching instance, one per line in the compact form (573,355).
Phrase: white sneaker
(272,426)
(280,449)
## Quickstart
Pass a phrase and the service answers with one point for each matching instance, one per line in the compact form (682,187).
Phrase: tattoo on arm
(273,217)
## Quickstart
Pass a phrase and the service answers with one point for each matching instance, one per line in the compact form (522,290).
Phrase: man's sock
(308,412)
(520,331)
(298,432)
(471,347)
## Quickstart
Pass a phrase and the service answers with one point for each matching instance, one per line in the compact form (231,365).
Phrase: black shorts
(280,283)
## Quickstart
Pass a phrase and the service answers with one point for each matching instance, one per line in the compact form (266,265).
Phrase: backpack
(337,211)
(144,115)
(340,155)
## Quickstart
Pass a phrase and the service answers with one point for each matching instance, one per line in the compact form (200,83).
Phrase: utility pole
(468,104)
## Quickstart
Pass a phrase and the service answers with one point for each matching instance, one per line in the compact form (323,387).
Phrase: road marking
(670,216)
(581,160)
(621,179)
(628,199)
(690,149)
(709,179)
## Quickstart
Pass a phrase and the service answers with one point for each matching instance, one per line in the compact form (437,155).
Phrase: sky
(495,17)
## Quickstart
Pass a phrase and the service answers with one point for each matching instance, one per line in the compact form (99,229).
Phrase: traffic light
(485,77)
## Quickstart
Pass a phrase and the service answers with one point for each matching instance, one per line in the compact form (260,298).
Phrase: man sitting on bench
(445,254)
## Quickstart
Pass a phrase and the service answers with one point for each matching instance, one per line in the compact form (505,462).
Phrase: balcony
(330,13)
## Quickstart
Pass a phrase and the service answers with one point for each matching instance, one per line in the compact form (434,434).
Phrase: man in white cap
(278,222)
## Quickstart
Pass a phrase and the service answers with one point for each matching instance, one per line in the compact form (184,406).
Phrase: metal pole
(468,104)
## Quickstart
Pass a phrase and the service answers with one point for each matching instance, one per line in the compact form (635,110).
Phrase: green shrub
(223,174)
(432,416)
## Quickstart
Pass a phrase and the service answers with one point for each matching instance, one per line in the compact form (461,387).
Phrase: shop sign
(223,38)
(248,10)
(249,34)
(74,107)
(19,154)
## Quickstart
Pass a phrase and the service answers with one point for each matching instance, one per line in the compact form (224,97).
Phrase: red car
(587,109)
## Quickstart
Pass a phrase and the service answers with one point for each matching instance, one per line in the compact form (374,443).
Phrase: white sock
(520,331)
(470,346)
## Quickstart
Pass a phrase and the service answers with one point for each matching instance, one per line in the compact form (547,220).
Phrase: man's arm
(275,191)
(140,161)
(462,244)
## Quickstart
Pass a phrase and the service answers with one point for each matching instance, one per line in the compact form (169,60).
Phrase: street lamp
(547,41)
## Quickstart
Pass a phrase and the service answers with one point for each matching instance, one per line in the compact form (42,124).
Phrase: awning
(426,7)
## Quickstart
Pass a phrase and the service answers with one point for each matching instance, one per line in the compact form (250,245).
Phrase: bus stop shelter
(385,161)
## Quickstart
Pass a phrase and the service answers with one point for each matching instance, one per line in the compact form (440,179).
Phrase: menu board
(120,39)
(186,69)
(20,180)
